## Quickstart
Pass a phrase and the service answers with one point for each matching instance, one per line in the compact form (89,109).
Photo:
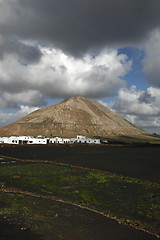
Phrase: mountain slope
(76,115)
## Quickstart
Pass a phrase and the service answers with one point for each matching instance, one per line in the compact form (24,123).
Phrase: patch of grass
(100,177)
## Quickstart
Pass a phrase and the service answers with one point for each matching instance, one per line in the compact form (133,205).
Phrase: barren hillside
(76,115)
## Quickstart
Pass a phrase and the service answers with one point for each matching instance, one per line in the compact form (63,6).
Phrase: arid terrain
(71,117)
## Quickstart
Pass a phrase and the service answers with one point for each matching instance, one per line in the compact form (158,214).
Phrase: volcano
(71,117)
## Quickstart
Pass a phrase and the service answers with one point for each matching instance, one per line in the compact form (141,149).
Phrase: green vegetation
(125,199)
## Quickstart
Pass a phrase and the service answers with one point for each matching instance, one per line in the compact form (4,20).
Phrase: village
(43,140)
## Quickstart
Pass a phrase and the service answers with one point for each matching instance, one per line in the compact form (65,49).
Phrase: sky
(106,50)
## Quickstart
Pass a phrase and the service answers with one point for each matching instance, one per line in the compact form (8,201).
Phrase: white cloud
(139,107)
(61,75)
(7,118)
(134,101)
(30,97)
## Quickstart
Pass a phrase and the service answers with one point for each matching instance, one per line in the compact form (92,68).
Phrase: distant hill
(71,117)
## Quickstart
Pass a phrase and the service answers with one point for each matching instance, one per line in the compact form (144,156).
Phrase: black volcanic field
(79,192)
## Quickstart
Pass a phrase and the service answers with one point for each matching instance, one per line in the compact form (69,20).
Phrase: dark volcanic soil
(11,231)
(139,162)
(80,225)
(73,223)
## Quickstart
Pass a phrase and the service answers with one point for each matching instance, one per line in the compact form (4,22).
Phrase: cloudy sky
(107,50)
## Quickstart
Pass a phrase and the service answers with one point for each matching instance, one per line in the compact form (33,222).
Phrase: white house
(56,140)
(39,141)
(23,140)
(43,140)
(83,139)
(10,140)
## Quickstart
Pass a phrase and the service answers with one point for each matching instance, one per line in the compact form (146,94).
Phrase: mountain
(71,117)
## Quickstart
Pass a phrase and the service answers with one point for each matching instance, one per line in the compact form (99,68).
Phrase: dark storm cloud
(151,61)
(78,25)
(26,53)
(146,98)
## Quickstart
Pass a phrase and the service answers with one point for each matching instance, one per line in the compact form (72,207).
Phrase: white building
(23,140)
(56,140)
(83,139)
(43,140)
